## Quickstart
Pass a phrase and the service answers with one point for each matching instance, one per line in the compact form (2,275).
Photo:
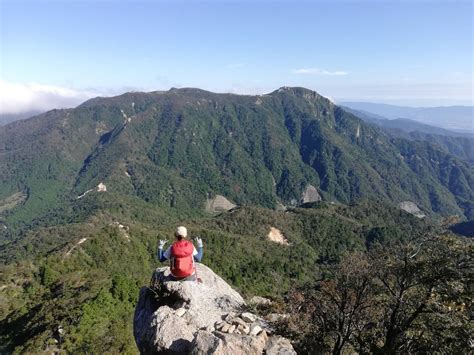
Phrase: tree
(335,309)
(404,298)
(419,286)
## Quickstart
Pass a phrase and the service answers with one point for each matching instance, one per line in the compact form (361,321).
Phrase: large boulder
(411,208)
(310,194)
(219,204)
(205,317)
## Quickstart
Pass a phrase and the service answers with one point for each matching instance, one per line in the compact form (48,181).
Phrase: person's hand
(162,243)
(198,241)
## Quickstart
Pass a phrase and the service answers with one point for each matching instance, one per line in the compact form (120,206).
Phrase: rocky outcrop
(310,194)
(218,204)
(411,208)
(205,317)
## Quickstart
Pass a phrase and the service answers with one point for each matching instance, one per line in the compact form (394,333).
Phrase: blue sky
(401,52)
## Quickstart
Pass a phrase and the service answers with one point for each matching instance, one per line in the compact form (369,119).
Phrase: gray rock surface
(206,343)
(199,318)
(219,204)
(172,332)
(310,194)
(248,317)
(225,344)
(278,345)
(411,208)
(255,329)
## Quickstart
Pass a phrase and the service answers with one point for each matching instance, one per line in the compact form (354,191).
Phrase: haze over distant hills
(460,118)
(459,144)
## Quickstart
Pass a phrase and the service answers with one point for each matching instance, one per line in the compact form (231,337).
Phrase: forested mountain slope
(176,148)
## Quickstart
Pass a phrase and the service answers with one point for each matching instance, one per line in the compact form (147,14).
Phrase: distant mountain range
(457,118)
(458,144)
(177,148)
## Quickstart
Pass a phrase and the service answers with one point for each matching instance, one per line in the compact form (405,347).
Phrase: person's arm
(198,253)
(161,255)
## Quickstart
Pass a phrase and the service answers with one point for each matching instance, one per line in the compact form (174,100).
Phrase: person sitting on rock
(182,255)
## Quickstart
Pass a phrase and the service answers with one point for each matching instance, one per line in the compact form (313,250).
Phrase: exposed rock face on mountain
(200,318)
(310,194)
(411,208)
(219,204)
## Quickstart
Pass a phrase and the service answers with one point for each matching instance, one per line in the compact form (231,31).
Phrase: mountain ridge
(175,148)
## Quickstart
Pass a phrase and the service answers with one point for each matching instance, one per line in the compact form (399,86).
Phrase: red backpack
(182,264)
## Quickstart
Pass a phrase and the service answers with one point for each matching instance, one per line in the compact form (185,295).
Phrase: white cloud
(18,98)
(317,71)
